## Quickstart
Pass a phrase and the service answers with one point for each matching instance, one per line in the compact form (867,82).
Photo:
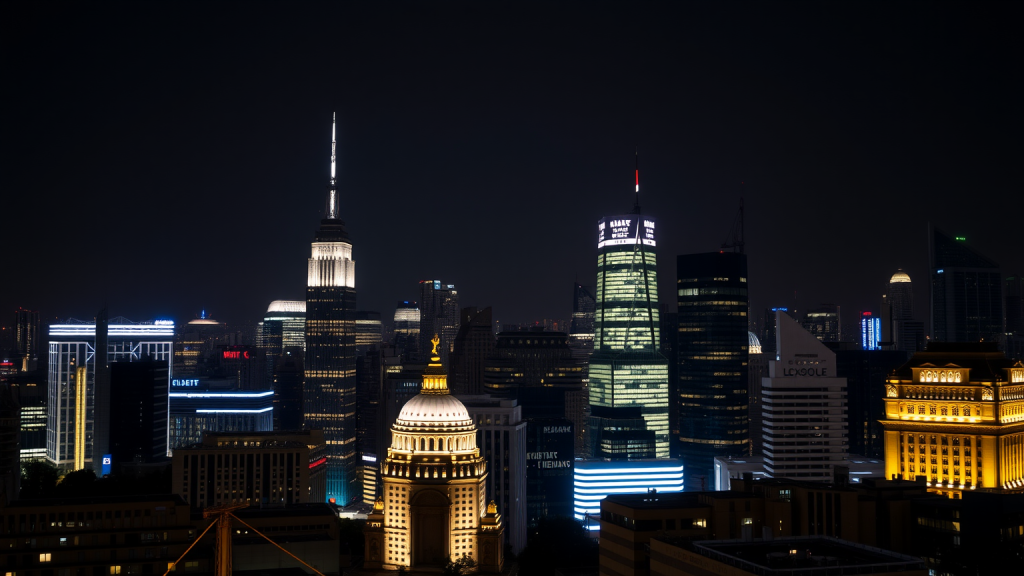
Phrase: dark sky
(169,157)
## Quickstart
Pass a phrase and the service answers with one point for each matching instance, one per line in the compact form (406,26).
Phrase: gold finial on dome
(492,508)
(435,381)
(435,340)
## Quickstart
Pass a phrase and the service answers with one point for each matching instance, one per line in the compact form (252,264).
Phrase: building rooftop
(983,359)
(94,500)
(801,555)
(657,500)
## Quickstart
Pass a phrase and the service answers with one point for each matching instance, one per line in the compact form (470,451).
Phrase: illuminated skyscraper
(870,331)
(329,388)
(626,369)
(967,292)
(710,397)
(79,381)
(407,331)
(26,339)
(824,322)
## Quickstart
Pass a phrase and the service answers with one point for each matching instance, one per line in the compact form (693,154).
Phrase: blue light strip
(234,411)
(221,394)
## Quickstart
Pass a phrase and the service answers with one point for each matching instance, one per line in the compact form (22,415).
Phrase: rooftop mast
(332,211)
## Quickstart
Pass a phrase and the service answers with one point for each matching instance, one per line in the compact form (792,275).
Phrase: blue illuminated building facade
(198,405)
(595,480)
(870,331)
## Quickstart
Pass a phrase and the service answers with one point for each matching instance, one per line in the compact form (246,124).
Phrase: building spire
(636,204)
(332,210)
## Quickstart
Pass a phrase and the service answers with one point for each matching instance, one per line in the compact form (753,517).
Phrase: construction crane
(222,516)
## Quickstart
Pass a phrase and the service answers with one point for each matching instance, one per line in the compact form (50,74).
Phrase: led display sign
(236,354)
(185,383)
(622,230)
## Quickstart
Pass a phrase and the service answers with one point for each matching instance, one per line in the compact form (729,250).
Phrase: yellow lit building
(955,415)
(433,505)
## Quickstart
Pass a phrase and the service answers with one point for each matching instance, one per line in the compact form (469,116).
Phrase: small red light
(866,314)
(332,501)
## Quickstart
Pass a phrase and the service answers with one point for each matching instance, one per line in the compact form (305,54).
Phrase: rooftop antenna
(332,211)
(637,171)
(735,240)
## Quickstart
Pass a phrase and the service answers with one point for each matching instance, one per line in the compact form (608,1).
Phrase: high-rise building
(245,365)
(139,399)
(473,346)
(369,331)
(329,387)
(1014,291)
(439,314)
(713,341)
(434,503)
(407,331)
(79,382)
(953,415)
(757,369)
(283,326)
(369,393)
(287,388)
(966,291)
(30,393)
(550,449)
(10,433)
(196,345)
(824,322)
(26,339)
(501,437)
(627,369)
(199,405)
(581,327)
(899,329)
(870,331)
(804,407)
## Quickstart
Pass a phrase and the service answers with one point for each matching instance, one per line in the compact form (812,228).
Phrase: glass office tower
(711,398)
(967,292)
(626,368)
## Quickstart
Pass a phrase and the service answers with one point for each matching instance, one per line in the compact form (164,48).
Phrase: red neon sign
(236,354)
(316,463)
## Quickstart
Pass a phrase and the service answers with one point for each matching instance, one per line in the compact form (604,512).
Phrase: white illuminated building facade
(803,407)
(433,504)
(74,440)
(594,480)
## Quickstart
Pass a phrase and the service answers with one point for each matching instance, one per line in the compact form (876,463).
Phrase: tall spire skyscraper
(628,374)
(329,387)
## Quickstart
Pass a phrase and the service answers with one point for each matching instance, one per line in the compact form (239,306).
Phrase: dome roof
(434,409)
(754,345)
(899,276)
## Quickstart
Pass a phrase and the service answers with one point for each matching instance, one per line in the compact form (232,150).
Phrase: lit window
(748,521)
(44,557)
(700,523)
(115,569)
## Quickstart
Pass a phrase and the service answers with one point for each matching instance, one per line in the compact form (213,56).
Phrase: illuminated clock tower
(434,501)
(329,387)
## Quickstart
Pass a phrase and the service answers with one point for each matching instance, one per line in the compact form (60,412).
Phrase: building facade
(439,314)
(627,369)
(825,322)
(199,405)
(329,385)
(434,502)
(473,345)
(803,406)
(954,414)
(78,398)
(966,291)
(407,330)
(712,404)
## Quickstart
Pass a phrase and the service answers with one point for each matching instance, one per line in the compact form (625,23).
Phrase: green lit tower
(628,375)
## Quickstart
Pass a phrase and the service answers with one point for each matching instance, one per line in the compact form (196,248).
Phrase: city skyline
(240,173)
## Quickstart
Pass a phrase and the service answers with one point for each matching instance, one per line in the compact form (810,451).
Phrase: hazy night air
(197,167)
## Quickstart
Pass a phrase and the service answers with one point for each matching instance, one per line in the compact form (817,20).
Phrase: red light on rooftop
(865,314)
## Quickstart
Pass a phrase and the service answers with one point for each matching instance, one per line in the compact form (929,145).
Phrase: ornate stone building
(955,416)
(433,505)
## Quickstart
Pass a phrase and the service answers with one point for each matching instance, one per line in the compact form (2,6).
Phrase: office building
(473,345)
(29,391)
(711,391)
(283,326)
(256,468)
(27,340)
(1014,291)
(627,370)
(369,331)
(78,400)
(439,314)
(856,468)
(550,448)
(407,330)
(804,407)
(595,480)
(619,434)
(371,438)
(966,291)
(199,405)
(501,438)
(139,399)
(329,387)
(953,414)
(757,370)
(10,433)
(824,323)
(434,503)
(196,345)
(581,327)
(245,365)
(870,331)
(287,386)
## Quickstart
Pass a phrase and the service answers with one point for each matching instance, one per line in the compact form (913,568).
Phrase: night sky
(168,158)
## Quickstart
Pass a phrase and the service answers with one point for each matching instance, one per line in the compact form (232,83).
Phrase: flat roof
(796,555)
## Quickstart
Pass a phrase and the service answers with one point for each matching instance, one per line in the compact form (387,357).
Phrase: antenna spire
(636,203)
(332,211)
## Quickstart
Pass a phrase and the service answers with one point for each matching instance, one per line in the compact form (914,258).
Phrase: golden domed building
(433,505)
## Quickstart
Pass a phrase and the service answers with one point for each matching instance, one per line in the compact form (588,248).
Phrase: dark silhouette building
(139,399)
(288,390)
(329,387)
(713,341)
(473,346)
(26,339)
(865,372)
(439,314)
(1014,291)
(824,322)
(581,327)
(966,292)
(407,330)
